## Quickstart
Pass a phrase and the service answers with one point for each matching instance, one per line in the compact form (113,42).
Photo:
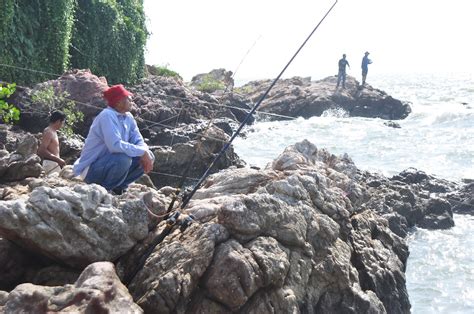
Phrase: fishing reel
(183,223)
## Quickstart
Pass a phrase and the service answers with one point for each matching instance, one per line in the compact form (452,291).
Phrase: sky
(256,38)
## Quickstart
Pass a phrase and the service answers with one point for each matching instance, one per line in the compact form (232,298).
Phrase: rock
(77,226)
(97,290)
(392,124)
(438,215)
(171,164)
(82,86)
(462,200)
(380,270)
(14,262)
(287,235)
(411,195)
(54,275)
(301,97)
(218,79)
(16,167)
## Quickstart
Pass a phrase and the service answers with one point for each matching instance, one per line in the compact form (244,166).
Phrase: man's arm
(114,142)
(43,151)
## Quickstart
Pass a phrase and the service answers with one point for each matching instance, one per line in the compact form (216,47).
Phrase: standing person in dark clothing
(365,66)
(341,75)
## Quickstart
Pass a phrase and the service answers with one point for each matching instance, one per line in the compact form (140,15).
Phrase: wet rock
(392,124)
(438,215)
(462,200)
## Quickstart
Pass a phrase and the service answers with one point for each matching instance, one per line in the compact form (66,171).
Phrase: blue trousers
(114,171)
(341,76)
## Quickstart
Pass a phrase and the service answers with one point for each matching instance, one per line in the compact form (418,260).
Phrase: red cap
(115,94)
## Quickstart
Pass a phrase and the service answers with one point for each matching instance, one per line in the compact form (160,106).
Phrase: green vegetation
(163,71)
(246,89)
(8,112)
(109,38)
(51,36)
(52,101)
(35,35)
(209,84)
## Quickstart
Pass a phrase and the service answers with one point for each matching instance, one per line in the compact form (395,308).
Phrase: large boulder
(97,290)
(301,97)
(76,224)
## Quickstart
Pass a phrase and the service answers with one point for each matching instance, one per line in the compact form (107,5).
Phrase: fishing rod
(188,197)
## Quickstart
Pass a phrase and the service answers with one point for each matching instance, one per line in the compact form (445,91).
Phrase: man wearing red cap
(114,153)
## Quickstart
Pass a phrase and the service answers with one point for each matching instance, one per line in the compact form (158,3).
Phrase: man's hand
(61,162)
(146,162)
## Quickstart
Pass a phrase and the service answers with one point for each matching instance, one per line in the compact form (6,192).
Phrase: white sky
(193,37)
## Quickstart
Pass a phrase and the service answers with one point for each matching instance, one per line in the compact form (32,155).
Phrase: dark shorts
(364,71)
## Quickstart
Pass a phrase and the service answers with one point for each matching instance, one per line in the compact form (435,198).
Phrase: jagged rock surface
(287,236)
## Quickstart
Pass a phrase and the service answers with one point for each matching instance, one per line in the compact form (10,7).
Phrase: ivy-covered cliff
(50,36)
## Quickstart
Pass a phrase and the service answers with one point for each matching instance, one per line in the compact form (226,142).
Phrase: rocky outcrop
(301,97)
(97,290)
(287,236)
(309,233)
(82,86)
(408,199)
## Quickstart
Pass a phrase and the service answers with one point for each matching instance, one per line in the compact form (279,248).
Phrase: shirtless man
(49,147)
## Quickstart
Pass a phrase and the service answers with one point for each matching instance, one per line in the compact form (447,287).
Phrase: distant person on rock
(114,153)
(341,75)
(365,66)
(49,147)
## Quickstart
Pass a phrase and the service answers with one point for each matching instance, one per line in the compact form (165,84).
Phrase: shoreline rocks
(309,233)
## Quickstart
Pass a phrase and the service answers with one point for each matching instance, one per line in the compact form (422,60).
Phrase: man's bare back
(49,147)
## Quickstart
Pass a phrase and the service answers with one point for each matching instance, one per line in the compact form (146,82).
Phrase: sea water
(437,137)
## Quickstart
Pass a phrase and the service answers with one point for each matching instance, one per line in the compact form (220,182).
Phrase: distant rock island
(302,97)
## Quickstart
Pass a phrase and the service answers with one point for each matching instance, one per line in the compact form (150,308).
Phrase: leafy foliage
(163,71)
(59,101)
(8,112)
(210,84)
(50,36)
(109,38)
(35,35)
